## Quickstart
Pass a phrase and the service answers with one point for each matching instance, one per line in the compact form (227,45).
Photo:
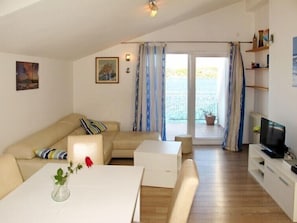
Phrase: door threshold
(208,141)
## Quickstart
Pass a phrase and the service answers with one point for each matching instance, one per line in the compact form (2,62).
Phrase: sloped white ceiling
(72,29)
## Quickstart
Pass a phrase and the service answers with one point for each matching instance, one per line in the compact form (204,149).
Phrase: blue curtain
(236,101)
(150,89)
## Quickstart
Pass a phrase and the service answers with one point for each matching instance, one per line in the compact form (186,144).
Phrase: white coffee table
(161,161)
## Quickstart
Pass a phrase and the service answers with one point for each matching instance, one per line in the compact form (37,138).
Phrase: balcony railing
(176,106)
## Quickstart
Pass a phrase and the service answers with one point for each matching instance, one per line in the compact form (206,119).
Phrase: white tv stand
(276,177)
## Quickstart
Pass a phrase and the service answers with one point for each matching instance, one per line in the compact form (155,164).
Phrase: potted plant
(209,117)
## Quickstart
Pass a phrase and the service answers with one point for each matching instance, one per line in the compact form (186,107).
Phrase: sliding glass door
(208,103)
(195,87)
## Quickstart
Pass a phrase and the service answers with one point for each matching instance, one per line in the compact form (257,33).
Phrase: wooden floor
(227,192)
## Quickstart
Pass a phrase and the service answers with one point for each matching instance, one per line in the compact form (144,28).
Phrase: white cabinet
(276,178)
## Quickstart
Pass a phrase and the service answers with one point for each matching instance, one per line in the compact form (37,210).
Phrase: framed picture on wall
(26,75)
(107,70)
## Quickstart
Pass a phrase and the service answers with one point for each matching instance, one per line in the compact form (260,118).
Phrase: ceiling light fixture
(153,7)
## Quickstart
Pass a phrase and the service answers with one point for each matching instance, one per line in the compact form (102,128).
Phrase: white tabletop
(102,193)
(159,147)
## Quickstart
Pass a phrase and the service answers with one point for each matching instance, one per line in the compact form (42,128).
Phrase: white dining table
(101,193)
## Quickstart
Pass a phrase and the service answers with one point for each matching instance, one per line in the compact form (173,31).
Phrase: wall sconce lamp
(153,7)
(127,56)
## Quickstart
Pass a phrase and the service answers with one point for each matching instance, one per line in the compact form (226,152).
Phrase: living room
(68,85)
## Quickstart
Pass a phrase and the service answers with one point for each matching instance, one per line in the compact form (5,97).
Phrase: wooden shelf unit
(257,87)
(259,68)
(258,49)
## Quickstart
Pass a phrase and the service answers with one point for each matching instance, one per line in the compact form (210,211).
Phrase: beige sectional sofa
(116,143)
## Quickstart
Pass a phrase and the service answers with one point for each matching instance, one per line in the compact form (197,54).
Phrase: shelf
(259,68)
(258,49)
(257,87)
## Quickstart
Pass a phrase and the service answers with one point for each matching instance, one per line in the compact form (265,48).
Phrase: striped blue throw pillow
(90,130)
(99,125)
(50,153)
(92,127)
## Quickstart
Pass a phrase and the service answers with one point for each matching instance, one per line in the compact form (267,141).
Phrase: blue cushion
(50,153)
(90,130)
(92,127)
(99,125)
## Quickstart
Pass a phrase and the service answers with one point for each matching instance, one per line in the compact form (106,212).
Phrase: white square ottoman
(161,161)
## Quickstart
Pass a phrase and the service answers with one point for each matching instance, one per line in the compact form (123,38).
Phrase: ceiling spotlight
(153,7)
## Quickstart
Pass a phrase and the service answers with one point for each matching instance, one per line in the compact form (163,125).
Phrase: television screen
(272,137)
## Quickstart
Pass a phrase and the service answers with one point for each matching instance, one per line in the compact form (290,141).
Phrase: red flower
(88,161)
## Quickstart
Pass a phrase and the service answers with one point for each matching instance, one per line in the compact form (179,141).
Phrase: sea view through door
(193,89)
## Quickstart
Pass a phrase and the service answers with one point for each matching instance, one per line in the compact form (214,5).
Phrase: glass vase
(60,192)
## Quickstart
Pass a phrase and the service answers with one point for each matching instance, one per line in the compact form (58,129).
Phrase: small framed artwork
(107,70)
(27,75)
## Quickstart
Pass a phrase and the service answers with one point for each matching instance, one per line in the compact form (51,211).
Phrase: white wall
(106,101)
(23,112)
(116,101)
(261,76)
(282,104)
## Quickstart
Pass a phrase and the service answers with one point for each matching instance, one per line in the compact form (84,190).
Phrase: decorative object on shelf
(255,65)
(107,70)
(255,42)
(27,75)
(260,38)
(153,7)
(257,129)
(61,191)
(266,37)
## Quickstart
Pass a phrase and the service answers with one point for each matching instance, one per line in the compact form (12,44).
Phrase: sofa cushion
(130,140)
(90,129)
(24,149)
(99,125)
(72,119)
(62,143)
(50,153)
(29,167)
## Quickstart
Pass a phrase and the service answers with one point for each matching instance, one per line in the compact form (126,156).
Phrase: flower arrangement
(61,177)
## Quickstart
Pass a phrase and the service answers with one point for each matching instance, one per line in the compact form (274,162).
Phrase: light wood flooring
(227,192)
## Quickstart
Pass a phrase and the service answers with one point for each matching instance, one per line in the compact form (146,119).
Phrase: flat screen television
(272,138)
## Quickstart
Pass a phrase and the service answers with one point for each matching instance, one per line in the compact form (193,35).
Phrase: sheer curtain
(236,101)
(150,89)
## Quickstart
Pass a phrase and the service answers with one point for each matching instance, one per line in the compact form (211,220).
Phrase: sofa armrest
(112,125)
